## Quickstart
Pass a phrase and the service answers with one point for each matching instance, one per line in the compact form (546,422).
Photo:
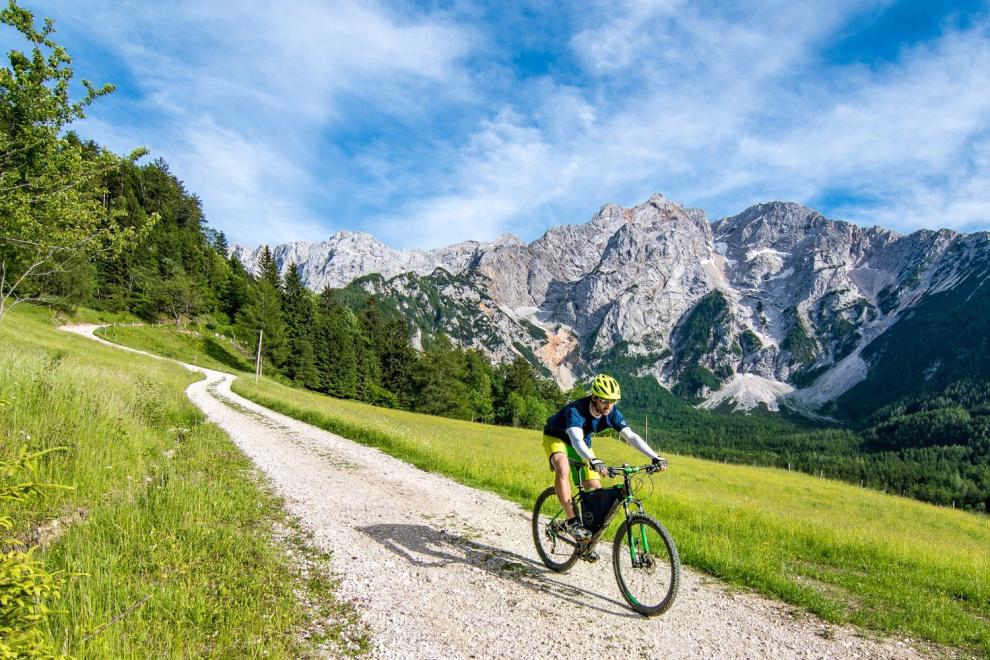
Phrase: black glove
(660,463)
(599,467)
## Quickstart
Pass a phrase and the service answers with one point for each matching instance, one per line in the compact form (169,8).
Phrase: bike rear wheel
(556,551)
(647,566)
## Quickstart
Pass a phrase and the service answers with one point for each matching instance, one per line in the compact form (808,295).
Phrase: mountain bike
(644,557)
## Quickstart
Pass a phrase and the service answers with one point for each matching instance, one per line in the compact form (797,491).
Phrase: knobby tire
(563,556)
(649,589)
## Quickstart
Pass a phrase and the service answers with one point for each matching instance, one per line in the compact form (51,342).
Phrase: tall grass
(176,545)
(189,345)
(848,554)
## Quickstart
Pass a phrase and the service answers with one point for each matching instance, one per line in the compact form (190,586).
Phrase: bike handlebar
(650,468)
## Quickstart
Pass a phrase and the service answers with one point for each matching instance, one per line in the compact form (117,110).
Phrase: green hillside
(846,553)
(167,542)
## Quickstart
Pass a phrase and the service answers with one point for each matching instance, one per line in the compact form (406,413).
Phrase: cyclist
(567,435)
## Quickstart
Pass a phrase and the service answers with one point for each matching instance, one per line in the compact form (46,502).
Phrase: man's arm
(576,434)
(633,439)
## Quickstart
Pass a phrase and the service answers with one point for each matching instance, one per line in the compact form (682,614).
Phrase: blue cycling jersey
(578,413)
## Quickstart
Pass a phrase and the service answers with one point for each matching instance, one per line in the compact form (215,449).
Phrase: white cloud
(505,172)
(238,97)
(721,114)
(716,106)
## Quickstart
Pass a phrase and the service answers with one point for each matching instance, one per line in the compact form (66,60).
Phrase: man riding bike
(567,436)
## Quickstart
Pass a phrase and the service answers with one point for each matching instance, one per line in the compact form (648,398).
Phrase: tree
(297,307)
(442,390)
(267,270)
(398,359)
(336,351)
(52,206)
(217,240)
(179,297)
(234,292)
(264,312)
(519,378)
(479,383)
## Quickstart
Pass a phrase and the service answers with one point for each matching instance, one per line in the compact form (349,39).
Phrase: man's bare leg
(562,482)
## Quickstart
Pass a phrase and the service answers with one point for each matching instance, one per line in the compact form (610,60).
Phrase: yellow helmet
(606,387)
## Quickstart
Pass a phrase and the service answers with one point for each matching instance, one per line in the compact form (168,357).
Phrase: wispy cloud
(431,126)
(243,96)
(725,111)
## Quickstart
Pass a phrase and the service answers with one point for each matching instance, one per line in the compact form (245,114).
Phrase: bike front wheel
(557,552)
(647,566)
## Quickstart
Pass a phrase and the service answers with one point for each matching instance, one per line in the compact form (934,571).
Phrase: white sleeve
(576,434)
(634,440)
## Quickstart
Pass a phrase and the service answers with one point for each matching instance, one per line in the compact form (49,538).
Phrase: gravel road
(440,570)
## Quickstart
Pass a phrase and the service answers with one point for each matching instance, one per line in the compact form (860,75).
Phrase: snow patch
(748,391)
(787,272)
(721,247)
(753,254)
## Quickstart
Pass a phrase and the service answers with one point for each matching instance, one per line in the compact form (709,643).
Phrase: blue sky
(426,123)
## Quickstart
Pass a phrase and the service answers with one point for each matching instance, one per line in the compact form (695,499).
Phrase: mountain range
(777,305)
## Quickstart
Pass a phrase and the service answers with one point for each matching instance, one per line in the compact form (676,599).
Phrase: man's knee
(560,463)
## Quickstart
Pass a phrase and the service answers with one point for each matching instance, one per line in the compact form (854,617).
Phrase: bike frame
(628,501)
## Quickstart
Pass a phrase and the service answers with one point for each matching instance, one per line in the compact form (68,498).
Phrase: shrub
(26,587)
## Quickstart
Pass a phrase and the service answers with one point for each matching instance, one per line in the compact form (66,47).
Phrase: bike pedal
(590,556)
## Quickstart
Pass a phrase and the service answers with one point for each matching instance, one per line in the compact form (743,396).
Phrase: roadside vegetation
(191,344)
(848,554)
(165,539)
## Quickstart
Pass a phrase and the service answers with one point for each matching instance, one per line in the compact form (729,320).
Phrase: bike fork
(635,549)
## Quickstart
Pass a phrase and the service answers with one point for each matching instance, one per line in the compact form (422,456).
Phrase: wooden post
(257,365)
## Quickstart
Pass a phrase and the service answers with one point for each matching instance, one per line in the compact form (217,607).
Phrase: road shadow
(424,546)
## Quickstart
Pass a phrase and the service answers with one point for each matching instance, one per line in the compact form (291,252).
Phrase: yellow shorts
(579,473)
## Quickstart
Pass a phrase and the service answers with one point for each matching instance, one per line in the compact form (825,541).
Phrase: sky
(428,123)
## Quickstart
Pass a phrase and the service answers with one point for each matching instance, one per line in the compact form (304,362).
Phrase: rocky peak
(773,298)
(778,225)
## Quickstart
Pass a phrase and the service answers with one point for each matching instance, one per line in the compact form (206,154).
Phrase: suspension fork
(644,543)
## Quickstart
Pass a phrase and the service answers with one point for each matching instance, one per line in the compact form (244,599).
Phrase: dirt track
(440,570)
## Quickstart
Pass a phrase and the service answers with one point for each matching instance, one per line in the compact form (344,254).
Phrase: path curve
(441,570)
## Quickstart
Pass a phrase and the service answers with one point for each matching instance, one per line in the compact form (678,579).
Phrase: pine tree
(234,291)
(398,359)
(264,313)
(267,269)
(442,389)
(519,378)
(336,351)
(478,379)
(297,309)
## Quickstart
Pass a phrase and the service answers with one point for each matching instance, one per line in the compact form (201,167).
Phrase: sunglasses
(606,402)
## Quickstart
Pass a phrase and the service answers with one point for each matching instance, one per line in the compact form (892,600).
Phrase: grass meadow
(850,555)
(173,543)
(192,346)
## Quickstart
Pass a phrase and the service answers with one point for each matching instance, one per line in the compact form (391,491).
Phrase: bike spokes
(646,565)
(555,548)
